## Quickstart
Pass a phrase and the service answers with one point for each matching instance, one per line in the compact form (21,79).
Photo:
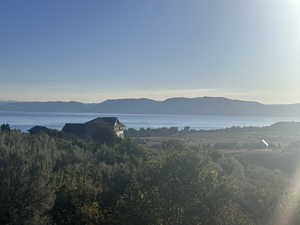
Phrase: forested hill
(199,106)
(60,180)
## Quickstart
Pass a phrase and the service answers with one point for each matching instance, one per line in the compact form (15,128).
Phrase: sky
(93,50)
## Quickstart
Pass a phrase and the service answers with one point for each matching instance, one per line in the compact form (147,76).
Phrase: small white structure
(265,143)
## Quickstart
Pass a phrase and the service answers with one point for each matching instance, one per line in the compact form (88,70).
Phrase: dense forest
(58,180)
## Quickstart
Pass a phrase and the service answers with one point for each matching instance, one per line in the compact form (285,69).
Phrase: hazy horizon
(136,98)
(96,50)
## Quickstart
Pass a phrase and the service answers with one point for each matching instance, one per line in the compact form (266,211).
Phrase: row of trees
(55,180)
(157,132)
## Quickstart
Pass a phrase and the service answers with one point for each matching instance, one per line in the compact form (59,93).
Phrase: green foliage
(45,130)
(149,132)
(97,134)
(5,127)
(25,172)
(65,181)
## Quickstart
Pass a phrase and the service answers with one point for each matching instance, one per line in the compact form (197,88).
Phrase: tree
(26,193)
(5,127)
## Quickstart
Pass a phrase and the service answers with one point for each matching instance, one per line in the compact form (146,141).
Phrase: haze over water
(25,120)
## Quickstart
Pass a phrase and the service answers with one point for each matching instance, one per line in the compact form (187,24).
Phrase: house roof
(111,121)
(100,121)
(74,125)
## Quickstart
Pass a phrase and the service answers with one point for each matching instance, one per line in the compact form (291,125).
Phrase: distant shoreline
(175,106)
(56,120)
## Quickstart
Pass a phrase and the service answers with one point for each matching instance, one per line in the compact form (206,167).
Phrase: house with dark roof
(110,122)
(98,128)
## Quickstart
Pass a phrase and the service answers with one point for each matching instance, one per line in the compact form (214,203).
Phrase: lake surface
(26,120)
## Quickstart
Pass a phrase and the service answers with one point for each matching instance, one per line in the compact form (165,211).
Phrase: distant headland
(180,105)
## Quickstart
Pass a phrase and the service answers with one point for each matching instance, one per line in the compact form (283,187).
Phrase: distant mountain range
(195,106)
(5,102)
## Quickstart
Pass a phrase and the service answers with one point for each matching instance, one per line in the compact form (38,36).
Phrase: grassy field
(280,136)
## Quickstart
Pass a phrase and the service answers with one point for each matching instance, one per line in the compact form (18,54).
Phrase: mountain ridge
(178,105)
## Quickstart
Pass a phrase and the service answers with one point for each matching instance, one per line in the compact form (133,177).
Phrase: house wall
(120,133)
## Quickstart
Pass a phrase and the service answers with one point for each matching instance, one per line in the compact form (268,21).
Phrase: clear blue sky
(97,49)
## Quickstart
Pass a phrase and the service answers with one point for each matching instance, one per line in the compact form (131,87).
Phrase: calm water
(24,121)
